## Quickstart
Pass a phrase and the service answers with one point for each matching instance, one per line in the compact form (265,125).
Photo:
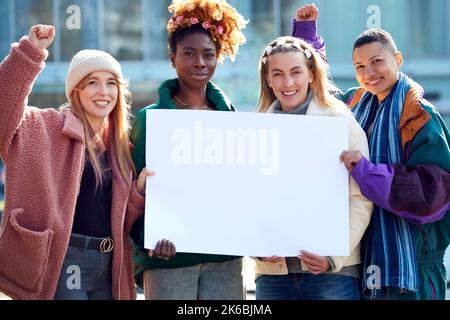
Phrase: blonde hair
(216,17)
(114,135)
(320,85)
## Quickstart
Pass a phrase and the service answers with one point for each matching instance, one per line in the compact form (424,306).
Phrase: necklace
(192,106)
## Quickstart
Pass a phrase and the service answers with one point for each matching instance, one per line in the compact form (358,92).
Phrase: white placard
(247,184)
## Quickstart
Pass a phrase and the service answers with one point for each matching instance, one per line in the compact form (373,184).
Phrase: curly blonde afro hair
(220,20)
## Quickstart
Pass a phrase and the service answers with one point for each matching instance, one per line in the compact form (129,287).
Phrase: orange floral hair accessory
(185,22)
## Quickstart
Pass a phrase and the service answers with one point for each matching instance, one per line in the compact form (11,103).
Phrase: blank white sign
(247,184)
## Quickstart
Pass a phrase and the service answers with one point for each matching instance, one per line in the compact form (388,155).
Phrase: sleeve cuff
(360,170)
(31,52)
(331,263)
(306,30)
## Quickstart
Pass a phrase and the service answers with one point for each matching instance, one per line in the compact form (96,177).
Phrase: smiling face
(289,77)
(376,68)
(195,60)
(98,96)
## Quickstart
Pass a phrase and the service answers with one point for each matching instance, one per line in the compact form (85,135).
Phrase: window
(260,30)
(123,26)
(429,28)
(29,13)
(288,13)
(155,33)
(77,37)
(262,22)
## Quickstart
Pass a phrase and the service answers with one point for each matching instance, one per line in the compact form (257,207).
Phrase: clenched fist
(308,12)
(350,159)
(41,36)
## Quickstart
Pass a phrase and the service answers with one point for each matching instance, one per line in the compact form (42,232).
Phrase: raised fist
(41,36)
(308,12)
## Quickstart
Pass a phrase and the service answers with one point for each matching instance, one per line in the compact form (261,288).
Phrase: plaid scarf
(388,246)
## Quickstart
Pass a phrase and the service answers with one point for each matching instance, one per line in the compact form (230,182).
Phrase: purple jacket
(420,194)
(307,30)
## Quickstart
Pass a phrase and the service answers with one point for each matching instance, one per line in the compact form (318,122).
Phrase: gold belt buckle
(107,245)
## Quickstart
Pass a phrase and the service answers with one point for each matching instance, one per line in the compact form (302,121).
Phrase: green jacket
(425,140)
(431,145)
(141,260)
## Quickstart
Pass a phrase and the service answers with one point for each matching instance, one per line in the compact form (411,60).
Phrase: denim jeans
(306,286)
(205,281)
(85,274)
(392,293)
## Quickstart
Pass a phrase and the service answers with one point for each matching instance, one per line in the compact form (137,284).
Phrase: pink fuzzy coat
(43,150)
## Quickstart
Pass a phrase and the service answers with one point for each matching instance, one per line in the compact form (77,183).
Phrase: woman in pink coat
(71,198)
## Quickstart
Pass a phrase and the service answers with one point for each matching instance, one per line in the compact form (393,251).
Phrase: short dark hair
(375,35)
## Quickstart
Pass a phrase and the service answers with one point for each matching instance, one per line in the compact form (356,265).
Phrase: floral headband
(186,22)
(284,42)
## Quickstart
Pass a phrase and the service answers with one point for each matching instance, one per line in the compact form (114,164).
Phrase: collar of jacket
(413,117)
(314,109)
(214,94)
(73,127)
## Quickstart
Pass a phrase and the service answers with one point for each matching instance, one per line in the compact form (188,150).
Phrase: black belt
(104,245)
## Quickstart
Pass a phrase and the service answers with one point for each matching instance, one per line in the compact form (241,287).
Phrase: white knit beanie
(87,61)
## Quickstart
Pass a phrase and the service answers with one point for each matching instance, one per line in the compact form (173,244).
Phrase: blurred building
(134,32)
